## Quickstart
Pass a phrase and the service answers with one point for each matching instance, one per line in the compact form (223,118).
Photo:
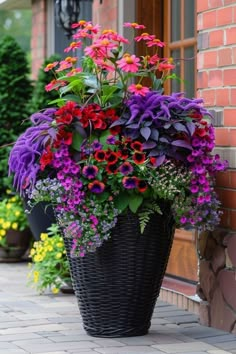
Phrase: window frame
(180,44)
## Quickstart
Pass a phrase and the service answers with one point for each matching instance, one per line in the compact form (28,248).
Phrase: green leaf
(77,141)
(102,197)
(121,201)
(134,202)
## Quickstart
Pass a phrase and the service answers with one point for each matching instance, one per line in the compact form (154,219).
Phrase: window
(180,37)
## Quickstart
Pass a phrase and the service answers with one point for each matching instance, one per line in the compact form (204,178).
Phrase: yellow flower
(13,199)
(43,236)
(8,206)
(8,191)
(37,258)
(2,232)
(55,290)
(32,252)
(50,248)
(14,225)
(17,213)
(6,225)
(1,221)
(36,276)
(60,244)
(58,255)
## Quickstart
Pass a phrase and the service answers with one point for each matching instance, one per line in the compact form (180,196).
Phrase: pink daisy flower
(155,42)
(129,63)
(134,25)
(144,37)
(138,89)
(50,66)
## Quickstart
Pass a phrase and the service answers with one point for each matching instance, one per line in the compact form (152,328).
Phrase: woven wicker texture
(118,285)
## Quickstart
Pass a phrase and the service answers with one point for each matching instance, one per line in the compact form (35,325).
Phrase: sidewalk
(45,324)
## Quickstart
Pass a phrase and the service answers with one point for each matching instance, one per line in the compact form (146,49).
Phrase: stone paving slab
(51,324)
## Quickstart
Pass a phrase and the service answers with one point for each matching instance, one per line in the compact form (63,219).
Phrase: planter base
(118,285)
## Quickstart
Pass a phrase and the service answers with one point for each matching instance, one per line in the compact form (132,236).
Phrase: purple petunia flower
(130,182)
(96,187)
(126,168)
(90,171)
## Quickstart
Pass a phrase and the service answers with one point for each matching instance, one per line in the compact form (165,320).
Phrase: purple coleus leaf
(149,145)
(145,132)
(180,127)
(182,143)
(154,134)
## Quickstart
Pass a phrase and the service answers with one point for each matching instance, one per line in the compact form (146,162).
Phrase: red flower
(115,130)
(111,157)
(100,155)
(66,113)
(137,146)
(142,186)
(64,136)
(124,154)
(46,158)
(111,168)
(139,158)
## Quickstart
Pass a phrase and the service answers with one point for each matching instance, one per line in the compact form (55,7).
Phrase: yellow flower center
(139,86)
(129,60)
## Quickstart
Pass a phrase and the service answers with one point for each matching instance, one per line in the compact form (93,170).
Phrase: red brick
(223,179)
(209,97)
(227,197)
(216,38)
(227,2)
(200,61)
(233,97)
(232,179)
(202,79)
(224,16)
(223,97)
(230,35)
(210,59)
(209,19)
(232,134)
(230,77)
(215,3)
(225,56)
(199,22)
(230,117)
(202,5)
(232,219)
(215,78)
(222,136)
(234,50)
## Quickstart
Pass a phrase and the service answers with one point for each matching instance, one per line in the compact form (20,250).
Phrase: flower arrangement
(113,144)
(12,216)
(49,268)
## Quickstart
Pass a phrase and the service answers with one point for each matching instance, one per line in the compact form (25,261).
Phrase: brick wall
(216,82)
(105,13)
(38,39)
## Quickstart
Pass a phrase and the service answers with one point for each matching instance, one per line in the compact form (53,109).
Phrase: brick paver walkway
(43,324)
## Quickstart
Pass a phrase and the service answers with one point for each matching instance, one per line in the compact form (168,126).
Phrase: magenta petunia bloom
(130,182)
(126,168)
(96,187)
(90,171)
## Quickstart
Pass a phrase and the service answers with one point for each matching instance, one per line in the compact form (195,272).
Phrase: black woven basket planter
(118,285)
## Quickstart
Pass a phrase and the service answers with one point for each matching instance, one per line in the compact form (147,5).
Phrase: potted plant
(122,164)
(49,269)
(15,236)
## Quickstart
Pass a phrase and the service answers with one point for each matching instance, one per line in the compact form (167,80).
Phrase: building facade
(202,34)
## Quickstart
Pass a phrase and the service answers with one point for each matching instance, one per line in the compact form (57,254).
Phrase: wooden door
(174,22)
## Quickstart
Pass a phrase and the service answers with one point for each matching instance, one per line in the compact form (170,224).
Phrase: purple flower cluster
(28,149)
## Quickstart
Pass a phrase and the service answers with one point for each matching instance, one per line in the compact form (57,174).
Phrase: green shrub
(15,94)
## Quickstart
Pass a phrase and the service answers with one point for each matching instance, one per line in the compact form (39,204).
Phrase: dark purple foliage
(165,124)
